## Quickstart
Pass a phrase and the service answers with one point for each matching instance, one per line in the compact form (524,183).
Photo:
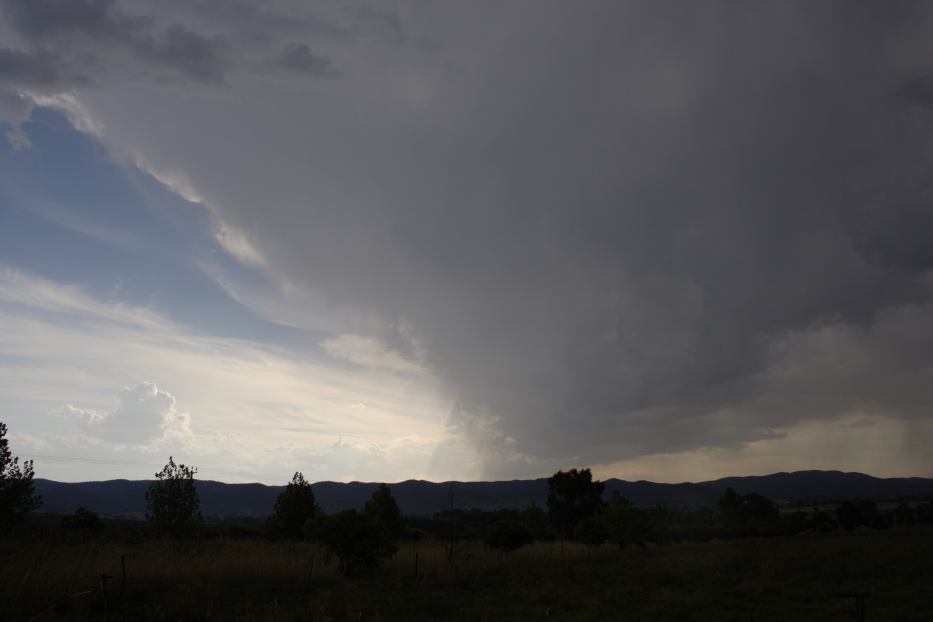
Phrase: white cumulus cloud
(143,414)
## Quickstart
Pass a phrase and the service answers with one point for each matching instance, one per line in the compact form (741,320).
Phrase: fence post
(860,607)
(859,604)
(123,586)
(103,588)
(311,569)
(416,565)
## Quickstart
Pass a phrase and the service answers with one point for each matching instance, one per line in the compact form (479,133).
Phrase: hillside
(125,497)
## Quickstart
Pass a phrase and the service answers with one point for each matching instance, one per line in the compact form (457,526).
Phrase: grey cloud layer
(67,44)
(98,35)
(617,228)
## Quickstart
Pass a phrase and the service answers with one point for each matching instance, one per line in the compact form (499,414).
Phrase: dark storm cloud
(632,206)
(101,37)
(298,58)
(43,19)
(93,30)
(897,236)
(36,70)
(192,54)
(616,228)
(917,91)
(259,19)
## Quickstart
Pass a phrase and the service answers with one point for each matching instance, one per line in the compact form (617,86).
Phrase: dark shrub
(624,523)
(359,540)
(924,513)
(508,535)
(83,520)
(242,532)
(591,531)
(904,515)
(535,518)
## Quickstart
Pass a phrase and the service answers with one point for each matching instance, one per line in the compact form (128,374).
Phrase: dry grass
(796,578)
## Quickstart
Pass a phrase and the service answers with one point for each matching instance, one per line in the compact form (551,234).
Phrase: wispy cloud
(371,353)
(64,354)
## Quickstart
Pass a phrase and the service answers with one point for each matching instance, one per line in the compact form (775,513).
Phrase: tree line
(361,538)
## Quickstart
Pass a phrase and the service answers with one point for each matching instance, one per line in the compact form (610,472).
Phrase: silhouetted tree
(591,531)
(358,539)
(904,515)
(747,507)
(822,521)
(659,525)
(852,514)
(83,520)
(294,507)
(382,507)
(572,496)
(848,515)
(729,502)
(750,514)
(81,526)
(508,535)
(924,513)
(871,516)
(624,523)
(535,518)
(172,501)
(17,491)
(795,522)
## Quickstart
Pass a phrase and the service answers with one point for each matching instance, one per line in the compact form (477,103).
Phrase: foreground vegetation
(780,578)
(582,558)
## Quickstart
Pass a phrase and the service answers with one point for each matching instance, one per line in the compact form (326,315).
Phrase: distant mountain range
(127,498)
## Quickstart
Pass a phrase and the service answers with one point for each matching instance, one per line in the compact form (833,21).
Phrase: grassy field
(791,578)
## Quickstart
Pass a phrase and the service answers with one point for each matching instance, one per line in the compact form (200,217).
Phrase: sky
(459,240)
